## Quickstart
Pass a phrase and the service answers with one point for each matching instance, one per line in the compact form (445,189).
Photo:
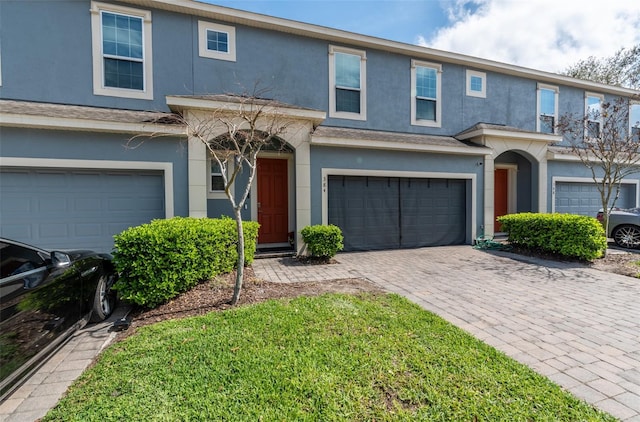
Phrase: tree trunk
(240,264)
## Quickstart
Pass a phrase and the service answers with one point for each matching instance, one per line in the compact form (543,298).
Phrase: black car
(44,297)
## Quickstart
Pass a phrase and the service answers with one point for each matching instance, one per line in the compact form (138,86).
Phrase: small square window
(216,41)
(476,84)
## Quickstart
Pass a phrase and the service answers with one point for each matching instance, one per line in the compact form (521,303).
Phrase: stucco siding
(82,146)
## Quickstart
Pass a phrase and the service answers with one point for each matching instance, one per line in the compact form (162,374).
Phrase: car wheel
(105,299)
(627,236)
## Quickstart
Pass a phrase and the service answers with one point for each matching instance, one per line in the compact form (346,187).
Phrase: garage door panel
(399,212)
(77,208)
(583,198)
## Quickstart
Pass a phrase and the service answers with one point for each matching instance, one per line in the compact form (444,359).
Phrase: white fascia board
(559,156)
(398,146)
(182,103)
(493,133)
(235,16)
(47,122)
(568,156)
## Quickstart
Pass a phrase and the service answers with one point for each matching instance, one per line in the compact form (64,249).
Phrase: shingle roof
(84,112)
(406,138)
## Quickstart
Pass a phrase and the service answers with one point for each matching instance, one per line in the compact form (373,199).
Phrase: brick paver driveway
(579,327)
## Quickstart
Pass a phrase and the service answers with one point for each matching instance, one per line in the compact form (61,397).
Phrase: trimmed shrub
(568,235)
(159,260)
(323,241)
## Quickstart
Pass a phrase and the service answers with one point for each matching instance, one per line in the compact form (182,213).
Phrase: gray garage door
(74,208)
(584,198)
(392,212)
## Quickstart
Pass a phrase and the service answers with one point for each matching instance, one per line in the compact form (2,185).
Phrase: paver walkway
(42,391)
(578,326)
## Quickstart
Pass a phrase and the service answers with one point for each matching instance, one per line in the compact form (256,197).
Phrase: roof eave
(181,103)
(89,125)
(397,146)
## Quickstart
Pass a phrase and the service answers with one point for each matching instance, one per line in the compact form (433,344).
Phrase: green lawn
(334,357)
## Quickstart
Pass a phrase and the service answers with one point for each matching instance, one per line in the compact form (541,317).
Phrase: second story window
(216,41)
(593,111)
(426,94)
(122,51)
(547,108)
(634,121)
(476,84)
(347,73)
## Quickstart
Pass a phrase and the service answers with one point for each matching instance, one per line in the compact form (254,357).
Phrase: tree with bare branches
(620,69)
(234,134)
(607,144)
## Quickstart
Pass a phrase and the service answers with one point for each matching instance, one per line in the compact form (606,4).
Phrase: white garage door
(584,198)
(63,208)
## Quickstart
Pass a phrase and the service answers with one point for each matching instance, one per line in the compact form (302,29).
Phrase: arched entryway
(515,175)
(519,156)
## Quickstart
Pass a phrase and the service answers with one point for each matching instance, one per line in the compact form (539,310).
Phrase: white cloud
(541,34)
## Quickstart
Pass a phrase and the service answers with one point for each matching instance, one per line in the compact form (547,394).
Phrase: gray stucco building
(399,145)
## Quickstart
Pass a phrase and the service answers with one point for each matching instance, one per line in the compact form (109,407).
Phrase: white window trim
(586,109)
(332,84)
(217,194)
(538,104)
(203,51)
(98,61)
(481,75)
(414,90)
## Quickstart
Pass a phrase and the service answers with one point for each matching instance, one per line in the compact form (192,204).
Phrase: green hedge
(159,260)
(323,241)
(573,236)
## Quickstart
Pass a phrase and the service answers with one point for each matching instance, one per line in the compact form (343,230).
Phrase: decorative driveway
(578,326)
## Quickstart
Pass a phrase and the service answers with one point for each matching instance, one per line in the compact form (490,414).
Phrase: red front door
(500,198)
(273,202)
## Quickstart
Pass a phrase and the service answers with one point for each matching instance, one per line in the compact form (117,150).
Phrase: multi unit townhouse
(401,146)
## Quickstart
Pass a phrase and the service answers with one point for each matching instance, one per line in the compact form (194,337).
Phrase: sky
(547,35)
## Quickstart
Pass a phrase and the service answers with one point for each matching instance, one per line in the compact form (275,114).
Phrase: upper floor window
(634,120)
(121,51)
(347,74)
(426,107)
(547,108)
(476,84)
(593,111)
(216,41)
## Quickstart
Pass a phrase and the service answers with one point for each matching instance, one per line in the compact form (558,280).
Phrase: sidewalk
(42,391)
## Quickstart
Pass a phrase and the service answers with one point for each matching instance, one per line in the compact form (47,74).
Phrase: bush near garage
(568,235)
(323,241)
(159,260)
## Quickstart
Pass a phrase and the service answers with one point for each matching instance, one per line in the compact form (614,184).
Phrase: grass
(328,358)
